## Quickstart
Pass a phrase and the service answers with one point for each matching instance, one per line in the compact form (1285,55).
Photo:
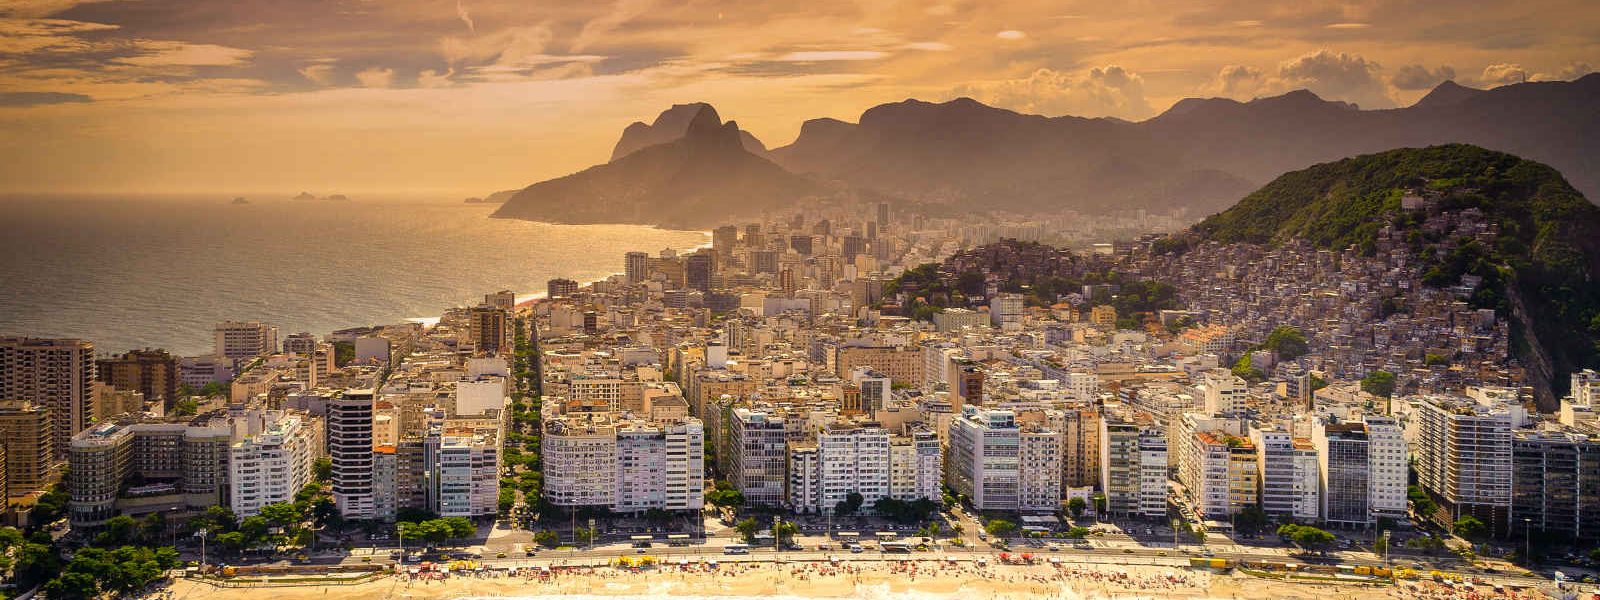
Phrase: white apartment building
(350,449)
(1222,391)
(1287,470)
(243,340)
(1005,311)
(1152,474)
(270,466)
(580,460)
(626,465)
(1219,473)
(999,465)
(660,465)
(465,473)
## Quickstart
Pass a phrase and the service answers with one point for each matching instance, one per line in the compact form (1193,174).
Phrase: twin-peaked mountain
(706,175)
(1202,154)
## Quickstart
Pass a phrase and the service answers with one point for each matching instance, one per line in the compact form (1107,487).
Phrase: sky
(466,97)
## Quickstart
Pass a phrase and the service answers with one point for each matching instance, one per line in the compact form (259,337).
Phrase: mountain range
(1201,154)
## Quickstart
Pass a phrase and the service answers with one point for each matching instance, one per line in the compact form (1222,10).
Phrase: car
(856,549)
(530,553)
(824,546)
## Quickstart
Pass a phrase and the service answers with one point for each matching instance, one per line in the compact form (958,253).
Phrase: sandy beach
(918,579)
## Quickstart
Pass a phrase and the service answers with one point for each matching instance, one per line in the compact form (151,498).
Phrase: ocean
(131,273)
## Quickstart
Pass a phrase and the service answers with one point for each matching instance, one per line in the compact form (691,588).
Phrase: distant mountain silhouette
(1201,153)
(962,155)
(705,177)
(1446,94)
(670,125)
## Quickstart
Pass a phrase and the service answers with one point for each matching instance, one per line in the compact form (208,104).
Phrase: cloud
(15,99)
(1102,91)
(1575,70)
(929,46)
(1011,35)
(1347,26)
(431,79)
(1504,73)
(319,73)
(1418,77)
(621,12)
(1238,80)
(461,13)
(1337,75)
(832,55)
(181,54)
(1331,75)
(376,77)
(23,36)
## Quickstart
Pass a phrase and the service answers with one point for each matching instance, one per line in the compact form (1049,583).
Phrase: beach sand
(918,579)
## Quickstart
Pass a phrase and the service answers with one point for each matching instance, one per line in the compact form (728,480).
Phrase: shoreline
(912,578)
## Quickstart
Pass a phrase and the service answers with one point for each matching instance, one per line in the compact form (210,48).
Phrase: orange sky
(464,97)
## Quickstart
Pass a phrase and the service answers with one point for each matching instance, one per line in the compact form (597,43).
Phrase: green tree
(1287,342)
(1306,537)
(1076,506)
(1470,527)
(283,514)
(724,495)
(547,538)
(747,527)
(118,531)
(849,505)
(1000,527)
(1421,503)
(1077,533)
(185,407)
(322,469)
(1379,383)
(1251,519)
(783,531)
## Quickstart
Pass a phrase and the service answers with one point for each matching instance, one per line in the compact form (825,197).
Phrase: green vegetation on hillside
(1548,242)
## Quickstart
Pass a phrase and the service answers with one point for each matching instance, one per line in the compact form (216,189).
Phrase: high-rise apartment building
(26,433)
(999,464)
(759,441)
(244,340)
(1005,311)
(636,265)
(57,374)
(698,269)
(1556,483)
(272,464)
(560,287)
(626,465)
(1463,456)
(1287,472)
(350,421)
(488,329)
(464,473)
(152,372)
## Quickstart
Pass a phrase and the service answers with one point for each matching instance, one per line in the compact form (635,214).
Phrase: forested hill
(1540,246)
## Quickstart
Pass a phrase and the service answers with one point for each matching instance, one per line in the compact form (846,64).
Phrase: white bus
(736,549)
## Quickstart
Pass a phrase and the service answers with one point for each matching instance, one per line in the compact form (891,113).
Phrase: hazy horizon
(474,96)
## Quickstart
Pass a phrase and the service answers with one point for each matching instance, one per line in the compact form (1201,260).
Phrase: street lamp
(203,533)
(1527,534)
